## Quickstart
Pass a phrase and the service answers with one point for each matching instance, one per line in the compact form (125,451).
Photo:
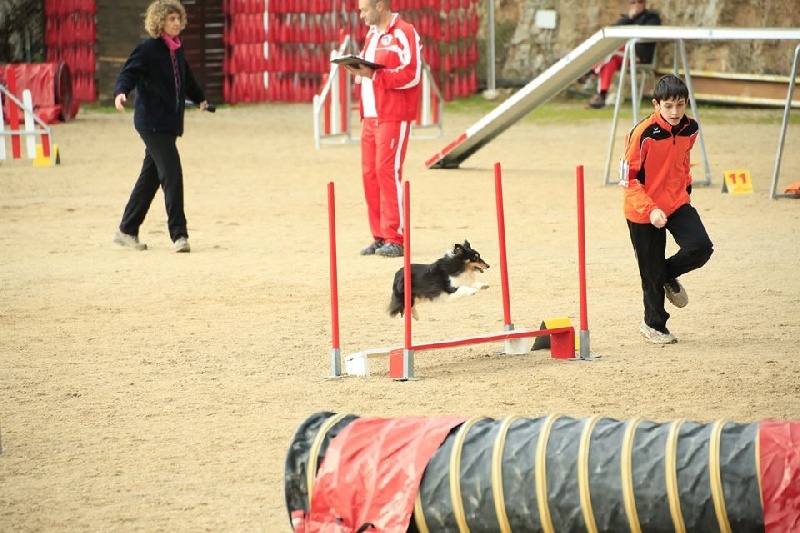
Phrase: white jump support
(332,105)
(784,124)
(431,107)
(29,133)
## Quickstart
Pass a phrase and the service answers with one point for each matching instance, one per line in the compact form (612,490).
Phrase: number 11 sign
(737,182)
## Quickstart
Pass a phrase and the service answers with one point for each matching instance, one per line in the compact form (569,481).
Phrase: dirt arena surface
(154,391)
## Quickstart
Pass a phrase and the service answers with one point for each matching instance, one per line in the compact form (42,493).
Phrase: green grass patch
(97,108)
(571,108)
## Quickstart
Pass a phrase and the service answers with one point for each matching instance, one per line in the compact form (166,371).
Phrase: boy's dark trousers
(650,244)
(161,168)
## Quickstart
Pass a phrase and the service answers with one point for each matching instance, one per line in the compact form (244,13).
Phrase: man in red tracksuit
(638,15)
(390,99)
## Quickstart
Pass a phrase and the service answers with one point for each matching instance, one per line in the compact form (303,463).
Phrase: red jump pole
(46,145)
(583,335)
(401,365)
(501,237)
(408,353)
(13,114)
(336,359)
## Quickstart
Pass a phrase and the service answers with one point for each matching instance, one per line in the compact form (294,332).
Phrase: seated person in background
(638,14)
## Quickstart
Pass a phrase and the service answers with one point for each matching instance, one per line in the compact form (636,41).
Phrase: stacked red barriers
(50,87)
(280,50)
(70,34)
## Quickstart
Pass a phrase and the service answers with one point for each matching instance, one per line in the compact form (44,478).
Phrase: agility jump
(41,154)
(401,358)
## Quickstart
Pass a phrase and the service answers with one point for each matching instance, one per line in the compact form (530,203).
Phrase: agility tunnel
(346,473)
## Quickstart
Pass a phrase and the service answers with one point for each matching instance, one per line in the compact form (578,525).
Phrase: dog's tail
(396,305)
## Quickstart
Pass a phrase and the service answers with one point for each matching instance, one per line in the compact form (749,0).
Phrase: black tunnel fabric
(565,474)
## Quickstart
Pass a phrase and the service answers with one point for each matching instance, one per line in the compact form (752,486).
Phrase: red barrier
(50,85)
(13,116)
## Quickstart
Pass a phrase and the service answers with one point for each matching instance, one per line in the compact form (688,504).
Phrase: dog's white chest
(466,279)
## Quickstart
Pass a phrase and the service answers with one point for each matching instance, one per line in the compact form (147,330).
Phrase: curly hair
(157,13)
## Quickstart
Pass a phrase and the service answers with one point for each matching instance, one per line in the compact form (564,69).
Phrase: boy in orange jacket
(655,175)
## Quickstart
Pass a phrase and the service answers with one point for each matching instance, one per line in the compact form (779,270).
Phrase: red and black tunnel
(550,474)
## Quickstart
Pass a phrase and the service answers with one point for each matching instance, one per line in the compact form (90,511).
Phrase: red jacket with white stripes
(397,87)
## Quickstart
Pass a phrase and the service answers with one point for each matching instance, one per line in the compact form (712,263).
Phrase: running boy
(657,182)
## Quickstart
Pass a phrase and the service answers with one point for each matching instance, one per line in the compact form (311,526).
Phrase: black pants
(161,168)
(650,243)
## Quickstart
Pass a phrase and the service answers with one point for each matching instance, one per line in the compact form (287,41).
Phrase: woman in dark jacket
(157,69)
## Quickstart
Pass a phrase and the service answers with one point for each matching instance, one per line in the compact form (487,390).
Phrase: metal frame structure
(574,64)
(629,61)
(784,124)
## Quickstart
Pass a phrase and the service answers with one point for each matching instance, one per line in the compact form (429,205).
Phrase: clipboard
(353,59)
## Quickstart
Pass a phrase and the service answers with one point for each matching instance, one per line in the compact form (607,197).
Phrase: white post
(491,92)
(30,125)
(336,125)
(317,129)
(426,99)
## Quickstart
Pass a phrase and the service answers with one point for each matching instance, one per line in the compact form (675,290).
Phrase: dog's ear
(466,244)
(457,249)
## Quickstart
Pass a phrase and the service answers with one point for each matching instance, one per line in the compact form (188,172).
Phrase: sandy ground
(157,391)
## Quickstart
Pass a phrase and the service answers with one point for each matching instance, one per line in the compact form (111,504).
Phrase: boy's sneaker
(656,337)
(370,250)
(129,241)
(390,250)
(675,293)
(181,245)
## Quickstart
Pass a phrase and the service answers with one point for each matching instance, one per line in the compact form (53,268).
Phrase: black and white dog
(453,275)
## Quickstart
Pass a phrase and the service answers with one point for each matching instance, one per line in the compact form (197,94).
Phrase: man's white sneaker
(656,337)
(675,293)
(181,245)
(129,241)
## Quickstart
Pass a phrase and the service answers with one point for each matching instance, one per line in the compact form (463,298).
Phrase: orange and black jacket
(655,168)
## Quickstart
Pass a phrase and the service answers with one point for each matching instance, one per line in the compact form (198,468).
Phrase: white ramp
(571,67)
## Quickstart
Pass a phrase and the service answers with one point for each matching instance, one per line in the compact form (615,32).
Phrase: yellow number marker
(737,182)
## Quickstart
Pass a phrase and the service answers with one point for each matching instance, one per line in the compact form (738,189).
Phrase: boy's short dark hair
(670,87)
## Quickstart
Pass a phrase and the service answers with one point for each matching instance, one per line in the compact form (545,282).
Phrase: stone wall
(525,52)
